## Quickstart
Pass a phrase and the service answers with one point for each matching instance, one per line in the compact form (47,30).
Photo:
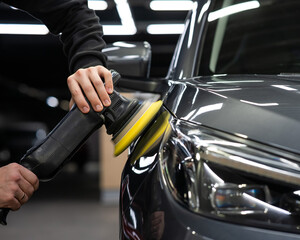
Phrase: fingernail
(85,109)
(110,90)
(106,102)
(98,108)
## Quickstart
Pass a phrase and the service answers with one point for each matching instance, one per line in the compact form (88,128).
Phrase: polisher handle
(48,157)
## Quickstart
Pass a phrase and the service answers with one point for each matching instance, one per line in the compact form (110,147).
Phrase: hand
(17,185)
(90,82)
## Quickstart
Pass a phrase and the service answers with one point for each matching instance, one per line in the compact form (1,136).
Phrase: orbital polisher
(125,119)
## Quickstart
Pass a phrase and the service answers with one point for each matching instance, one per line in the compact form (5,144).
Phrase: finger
(77,95)
(14,204)
(26,188)
(106,75)
(88,88)
(101,90)
(22,198)
(28,179)
(10,201)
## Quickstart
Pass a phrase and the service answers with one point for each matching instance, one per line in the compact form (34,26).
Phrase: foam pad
(136,126)
(152,137)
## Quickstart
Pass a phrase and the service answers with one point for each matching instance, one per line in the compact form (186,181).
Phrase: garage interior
(34,98)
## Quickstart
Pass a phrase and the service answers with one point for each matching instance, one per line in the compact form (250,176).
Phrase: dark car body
(222,158)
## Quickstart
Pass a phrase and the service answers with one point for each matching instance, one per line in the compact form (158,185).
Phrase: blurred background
(34,97)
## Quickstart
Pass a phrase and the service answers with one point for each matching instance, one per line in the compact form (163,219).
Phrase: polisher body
(49,156)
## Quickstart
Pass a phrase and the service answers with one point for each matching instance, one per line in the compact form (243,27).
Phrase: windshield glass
(252,37)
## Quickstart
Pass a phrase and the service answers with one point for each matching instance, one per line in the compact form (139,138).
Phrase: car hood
(264,109)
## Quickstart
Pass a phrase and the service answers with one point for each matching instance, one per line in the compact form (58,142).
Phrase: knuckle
(79,72)
(14,165)
(15,176)
(36,184)
(90,70)
(13,189)
(75,93)
(70,80)
(98,83)
(30,190)
(88,88)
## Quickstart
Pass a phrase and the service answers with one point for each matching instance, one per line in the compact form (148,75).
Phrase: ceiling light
(236,8)
(27,29)
(126,17)
(179,5)
(117,30)
(99,5)
(165,28)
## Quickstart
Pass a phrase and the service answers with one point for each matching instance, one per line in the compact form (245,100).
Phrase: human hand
(17,184)
(89,81)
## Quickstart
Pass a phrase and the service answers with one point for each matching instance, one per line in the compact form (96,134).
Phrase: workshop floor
(66,208)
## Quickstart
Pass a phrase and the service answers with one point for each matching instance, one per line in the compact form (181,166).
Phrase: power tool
(125,119)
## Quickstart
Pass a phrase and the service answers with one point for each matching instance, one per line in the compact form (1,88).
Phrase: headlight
(231,178)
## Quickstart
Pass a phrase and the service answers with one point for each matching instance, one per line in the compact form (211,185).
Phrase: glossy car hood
(265,109)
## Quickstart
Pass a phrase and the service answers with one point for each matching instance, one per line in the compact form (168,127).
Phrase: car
(221,160)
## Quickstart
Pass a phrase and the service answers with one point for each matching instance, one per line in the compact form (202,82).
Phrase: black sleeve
(81,32)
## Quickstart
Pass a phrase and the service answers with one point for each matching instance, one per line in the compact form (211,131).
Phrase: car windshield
(252,37)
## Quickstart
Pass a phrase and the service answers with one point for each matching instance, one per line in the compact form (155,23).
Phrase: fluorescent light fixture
(128,26)
(179,5)
(165,28)
(27,29)
(232,10)
(118,30)
(99,5)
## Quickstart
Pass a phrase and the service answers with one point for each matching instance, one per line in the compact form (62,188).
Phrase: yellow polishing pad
(138,124)
(152,137)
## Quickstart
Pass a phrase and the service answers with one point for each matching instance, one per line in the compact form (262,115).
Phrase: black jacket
(81,32)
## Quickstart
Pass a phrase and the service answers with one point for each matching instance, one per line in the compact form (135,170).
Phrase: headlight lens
(228,178)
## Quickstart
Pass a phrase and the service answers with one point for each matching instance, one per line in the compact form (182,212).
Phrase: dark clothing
(81,32)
